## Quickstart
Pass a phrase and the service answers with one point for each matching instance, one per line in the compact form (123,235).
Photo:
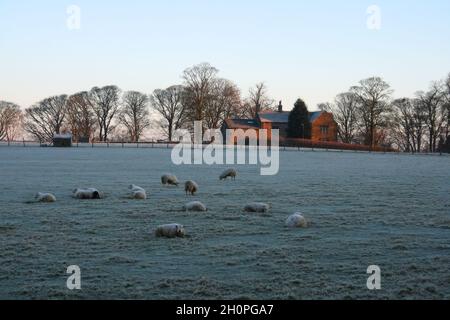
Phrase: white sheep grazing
(169,179)
(195,206)
(138,193)
(170,231)
(191,187)
(45,197)
(230,173)
(257,207)
(297,220)
(89,193)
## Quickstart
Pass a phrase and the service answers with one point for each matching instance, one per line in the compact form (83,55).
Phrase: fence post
(23,142)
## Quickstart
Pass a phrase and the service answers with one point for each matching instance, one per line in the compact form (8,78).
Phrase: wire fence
(35,144)
(299,146)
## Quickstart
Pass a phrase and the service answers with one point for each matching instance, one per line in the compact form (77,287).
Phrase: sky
(300,48)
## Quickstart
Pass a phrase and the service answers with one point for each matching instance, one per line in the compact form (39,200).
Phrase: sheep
(195,206)
(45,197)
(137,192)
(190,187)
(169,179)
(170,231)
(297,220)
(257,207)
(230,173)
(89,193)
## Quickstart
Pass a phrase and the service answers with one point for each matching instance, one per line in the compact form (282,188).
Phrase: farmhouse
(323,125)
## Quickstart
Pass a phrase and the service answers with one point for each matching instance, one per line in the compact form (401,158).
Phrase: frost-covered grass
(365,209)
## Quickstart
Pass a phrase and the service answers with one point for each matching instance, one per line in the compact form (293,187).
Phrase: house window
(324,130)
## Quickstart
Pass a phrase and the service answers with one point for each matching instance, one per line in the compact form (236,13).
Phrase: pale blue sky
(308,49)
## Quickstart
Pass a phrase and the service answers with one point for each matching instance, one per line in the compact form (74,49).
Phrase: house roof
(278,117)
(242,124)
(62,136)
(283,117)
(314,115)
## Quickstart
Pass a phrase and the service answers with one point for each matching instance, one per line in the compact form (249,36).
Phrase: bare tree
(80,116)
(258,101)
(404,124)
(409,123)
(433,102)
(105,103)
(418,124)
(325,107)
(345,111)
(134,114)
(374,99)
(224,103)
(169,104)
(446,111)
(46,118)
(10,120)
(199,83)
(447,84)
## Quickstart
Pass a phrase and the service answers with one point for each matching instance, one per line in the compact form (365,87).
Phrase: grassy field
(365,209)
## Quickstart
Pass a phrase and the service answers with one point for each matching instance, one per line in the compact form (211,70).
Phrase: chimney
(280,107)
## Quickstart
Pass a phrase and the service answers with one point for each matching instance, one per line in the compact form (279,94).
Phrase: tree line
(366,114)
(108,114)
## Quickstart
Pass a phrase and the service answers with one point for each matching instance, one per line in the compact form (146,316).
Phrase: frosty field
(365,209)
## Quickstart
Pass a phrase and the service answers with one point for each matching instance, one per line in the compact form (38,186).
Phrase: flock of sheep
(297,220)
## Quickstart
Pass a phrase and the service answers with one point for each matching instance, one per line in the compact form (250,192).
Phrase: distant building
(239,124)
(323,125)
(62,140)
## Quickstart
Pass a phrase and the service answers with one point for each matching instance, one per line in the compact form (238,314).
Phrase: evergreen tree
(299,125)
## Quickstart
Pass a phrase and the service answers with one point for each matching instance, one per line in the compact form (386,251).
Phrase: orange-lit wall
(326,119)
(267,126)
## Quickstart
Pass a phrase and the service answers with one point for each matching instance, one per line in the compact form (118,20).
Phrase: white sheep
(195,206)
(257,207)
(230,173)
(174,230)
(297,220)
(191,187)
(89,193)
(45,197)
(169,179)
(137,192)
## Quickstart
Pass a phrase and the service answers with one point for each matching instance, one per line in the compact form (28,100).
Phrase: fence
(286,145)
(303,143)
(26,143)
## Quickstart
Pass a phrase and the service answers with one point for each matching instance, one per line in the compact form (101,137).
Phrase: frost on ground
(387,210)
